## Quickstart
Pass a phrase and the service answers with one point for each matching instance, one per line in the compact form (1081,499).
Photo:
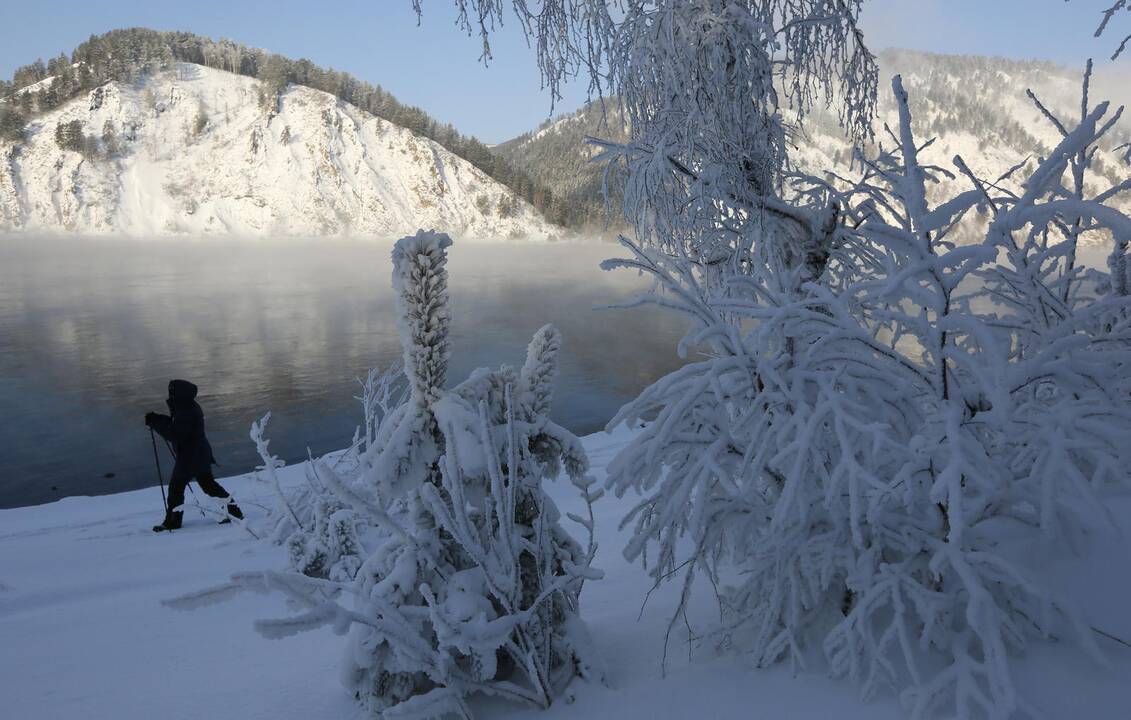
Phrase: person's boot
(172,521)
(233,512)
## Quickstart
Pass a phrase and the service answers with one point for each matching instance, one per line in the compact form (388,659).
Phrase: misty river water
(91,330)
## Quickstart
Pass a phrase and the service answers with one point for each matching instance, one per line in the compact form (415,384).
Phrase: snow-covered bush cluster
(432,542)
(886,422)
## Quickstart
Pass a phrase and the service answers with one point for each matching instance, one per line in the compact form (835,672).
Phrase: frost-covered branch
(270,466)
(708,90)
(1108,15)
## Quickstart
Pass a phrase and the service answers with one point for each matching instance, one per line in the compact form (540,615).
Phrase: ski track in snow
(84,634)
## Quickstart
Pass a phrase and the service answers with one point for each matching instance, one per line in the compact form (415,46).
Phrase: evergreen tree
(12,124)
(69,136)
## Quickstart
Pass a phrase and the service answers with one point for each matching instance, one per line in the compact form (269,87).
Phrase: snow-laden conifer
(434,547)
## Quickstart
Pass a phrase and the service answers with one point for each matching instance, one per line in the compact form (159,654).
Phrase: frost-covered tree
(876,437)
(707,90)
(435,546)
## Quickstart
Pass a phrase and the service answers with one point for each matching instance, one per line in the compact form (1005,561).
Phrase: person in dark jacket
(183,427)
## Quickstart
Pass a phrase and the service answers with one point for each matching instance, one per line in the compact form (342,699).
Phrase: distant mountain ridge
(973,106)
(193,150)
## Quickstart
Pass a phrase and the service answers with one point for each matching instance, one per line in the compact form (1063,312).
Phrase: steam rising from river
(93,330)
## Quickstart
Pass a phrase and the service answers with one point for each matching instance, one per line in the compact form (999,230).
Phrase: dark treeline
(130,54)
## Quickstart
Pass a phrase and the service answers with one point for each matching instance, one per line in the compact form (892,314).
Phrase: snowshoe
(233,512)
(172,521)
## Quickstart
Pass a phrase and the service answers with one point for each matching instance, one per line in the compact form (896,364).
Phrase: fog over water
(93,329)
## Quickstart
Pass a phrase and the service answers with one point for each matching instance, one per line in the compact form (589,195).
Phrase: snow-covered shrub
(438,550)
(301,515)
(885,423)
(330,547)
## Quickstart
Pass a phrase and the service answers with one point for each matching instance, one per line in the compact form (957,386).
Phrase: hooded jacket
(184,428)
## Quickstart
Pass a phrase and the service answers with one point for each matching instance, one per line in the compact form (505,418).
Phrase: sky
(435,66)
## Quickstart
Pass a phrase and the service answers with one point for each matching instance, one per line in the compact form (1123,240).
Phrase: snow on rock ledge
(198,155)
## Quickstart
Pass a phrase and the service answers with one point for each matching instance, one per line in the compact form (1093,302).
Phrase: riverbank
(84,634)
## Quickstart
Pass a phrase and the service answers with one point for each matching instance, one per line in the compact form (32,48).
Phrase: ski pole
(160,477)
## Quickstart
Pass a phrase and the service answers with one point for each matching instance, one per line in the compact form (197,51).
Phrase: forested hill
(192,150)
(557,155)
(128,55)
(974,106)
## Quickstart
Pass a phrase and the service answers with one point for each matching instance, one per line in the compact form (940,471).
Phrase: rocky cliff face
(197,151)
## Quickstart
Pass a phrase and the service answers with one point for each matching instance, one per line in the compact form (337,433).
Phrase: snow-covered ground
(83,633)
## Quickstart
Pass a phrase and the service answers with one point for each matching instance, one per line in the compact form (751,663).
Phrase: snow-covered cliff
(195,151)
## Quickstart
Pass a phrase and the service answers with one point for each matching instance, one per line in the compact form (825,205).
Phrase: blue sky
(435,66)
